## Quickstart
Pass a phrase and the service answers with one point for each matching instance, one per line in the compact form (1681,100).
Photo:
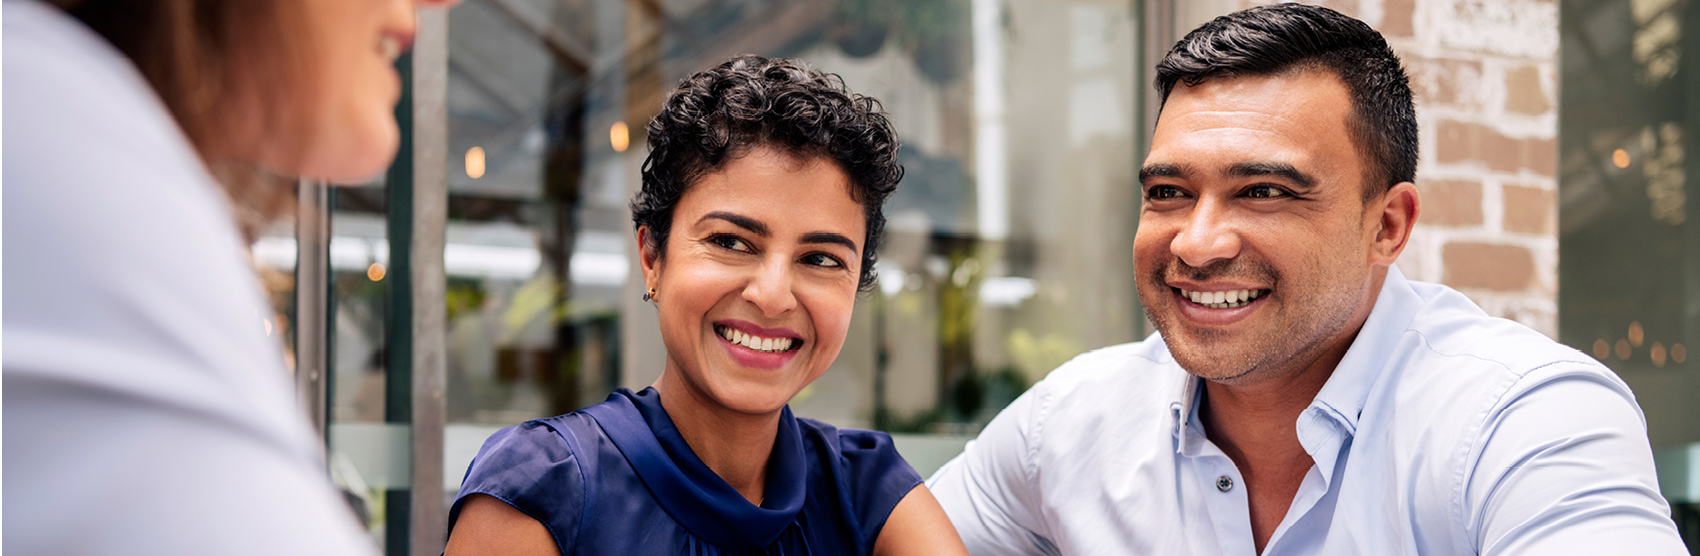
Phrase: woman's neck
(736,446)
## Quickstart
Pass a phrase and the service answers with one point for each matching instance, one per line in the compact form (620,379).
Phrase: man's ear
(649,257)
(1395,215)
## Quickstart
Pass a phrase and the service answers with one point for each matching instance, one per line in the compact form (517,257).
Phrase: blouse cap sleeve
(878,477)
(532,467)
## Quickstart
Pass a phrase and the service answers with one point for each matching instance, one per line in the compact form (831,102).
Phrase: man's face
(1253,192)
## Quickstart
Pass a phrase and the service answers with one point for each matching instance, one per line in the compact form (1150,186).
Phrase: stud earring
(649,295)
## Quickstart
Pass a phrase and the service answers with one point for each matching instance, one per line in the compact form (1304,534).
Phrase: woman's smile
(754,346)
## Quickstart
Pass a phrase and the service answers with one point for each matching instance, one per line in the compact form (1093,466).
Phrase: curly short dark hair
(1268,40)
(751,101)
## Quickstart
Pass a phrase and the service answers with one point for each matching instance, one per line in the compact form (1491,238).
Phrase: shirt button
(1224,483)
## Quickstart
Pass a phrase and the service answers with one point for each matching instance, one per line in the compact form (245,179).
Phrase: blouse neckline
(688,490)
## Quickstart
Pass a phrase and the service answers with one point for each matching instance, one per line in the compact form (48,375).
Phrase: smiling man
(1301,396)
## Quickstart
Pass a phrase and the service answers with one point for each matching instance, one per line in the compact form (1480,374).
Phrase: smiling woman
(756,228)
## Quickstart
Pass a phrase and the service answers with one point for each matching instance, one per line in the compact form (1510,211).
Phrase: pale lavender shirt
(1442,431)
(147,412)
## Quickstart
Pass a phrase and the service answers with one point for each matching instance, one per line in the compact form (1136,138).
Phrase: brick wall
(1485,76)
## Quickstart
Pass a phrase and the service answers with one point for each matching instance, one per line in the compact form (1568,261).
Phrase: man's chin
(1213,359)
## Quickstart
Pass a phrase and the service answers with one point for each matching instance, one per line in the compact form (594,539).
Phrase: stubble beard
(1283,347)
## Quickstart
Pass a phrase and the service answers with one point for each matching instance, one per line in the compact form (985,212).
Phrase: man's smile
(1229,299)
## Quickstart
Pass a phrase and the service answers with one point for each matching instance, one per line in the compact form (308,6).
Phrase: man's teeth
(757,343)
(1225,299)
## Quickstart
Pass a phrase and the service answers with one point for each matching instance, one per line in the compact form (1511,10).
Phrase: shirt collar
(1342,398)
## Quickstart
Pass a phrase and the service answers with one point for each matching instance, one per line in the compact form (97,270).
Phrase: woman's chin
(754,399)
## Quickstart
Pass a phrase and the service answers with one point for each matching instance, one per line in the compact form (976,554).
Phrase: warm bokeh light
(1636,335)
(1658,354)
(268,323)
(375,272)
(1678,354)
(474,164)
(1602,350)
(1620,157)
(619,136)
(1623,350)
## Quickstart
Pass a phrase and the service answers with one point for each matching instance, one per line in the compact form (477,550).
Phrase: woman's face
(758,280)
(345,128)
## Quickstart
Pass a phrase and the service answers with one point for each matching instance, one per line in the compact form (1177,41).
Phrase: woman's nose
(770,288)
(1208,235)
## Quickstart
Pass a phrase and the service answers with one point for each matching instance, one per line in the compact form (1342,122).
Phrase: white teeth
(1222,299)
(755,342)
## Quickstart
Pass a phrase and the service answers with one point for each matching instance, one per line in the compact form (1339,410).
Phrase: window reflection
(1629,246)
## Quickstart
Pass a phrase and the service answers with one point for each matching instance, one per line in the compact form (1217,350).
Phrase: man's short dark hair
(750,101)
(1269,40)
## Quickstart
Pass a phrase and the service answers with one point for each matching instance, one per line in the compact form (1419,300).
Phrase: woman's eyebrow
(754,226)
(829,237)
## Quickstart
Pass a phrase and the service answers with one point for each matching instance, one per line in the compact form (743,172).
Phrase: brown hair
(194,54)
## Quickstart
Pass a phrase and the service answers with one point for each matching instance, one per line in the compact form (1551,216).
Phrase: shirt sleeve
(531,467)
(879,478)
(991,490)
(1564,467)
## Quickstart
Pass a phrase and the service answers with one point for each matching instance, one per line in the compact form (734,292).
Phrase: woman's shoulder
(541,468)
(866,463)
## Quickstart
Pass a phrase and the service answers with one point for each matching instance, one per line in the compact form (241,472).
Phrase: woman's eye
(730,242)
(1265,192)
(821,260)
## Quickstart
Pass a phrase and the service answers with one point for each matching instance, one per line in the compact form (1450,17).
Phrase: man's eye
(1265,192)
(822,260)
(1162,192)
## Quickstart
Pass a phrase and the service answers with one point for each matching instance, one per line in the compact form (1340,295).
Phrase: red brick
(1543,156)
(1445,81)
(1524,93)
(1397,17)
(1530,210)
(1466,142)
(1348,7)
(1450,202)
(1488,266)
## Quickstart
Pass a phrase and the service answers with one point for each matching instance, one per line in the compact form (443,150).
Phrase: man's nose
(1209,234)
(770,287)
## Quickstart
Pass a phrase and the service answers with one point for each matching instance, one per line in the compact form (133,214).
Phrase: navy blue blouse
(617,478)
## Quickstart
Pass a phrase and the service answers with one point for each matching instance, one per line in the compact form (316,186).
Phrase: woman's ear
(649,257)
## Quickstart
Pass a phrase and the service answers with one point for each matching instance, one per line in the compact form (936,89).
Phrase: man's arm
(991,492)
(1565,468)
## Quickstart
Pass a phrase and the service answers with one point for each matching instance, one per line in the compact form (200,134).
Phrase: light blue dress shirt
(1442,431)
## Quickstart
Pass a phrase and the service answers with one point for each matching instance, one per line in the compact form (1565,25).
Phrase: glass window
(1629,217)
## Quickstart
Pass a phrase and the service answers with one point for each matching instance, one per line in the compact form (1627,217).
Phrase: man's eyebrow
(829,237)
(745,222)
(1161,170)
(1281,169)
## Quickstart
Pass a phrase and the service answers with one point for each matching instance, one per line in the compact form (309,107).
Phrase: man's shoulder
(1466,368)
(1450,328)
(1128,381)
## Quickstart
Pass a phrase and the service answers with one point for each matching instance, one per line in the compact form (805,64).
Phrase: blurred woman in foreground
(757,225)
(146,409)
